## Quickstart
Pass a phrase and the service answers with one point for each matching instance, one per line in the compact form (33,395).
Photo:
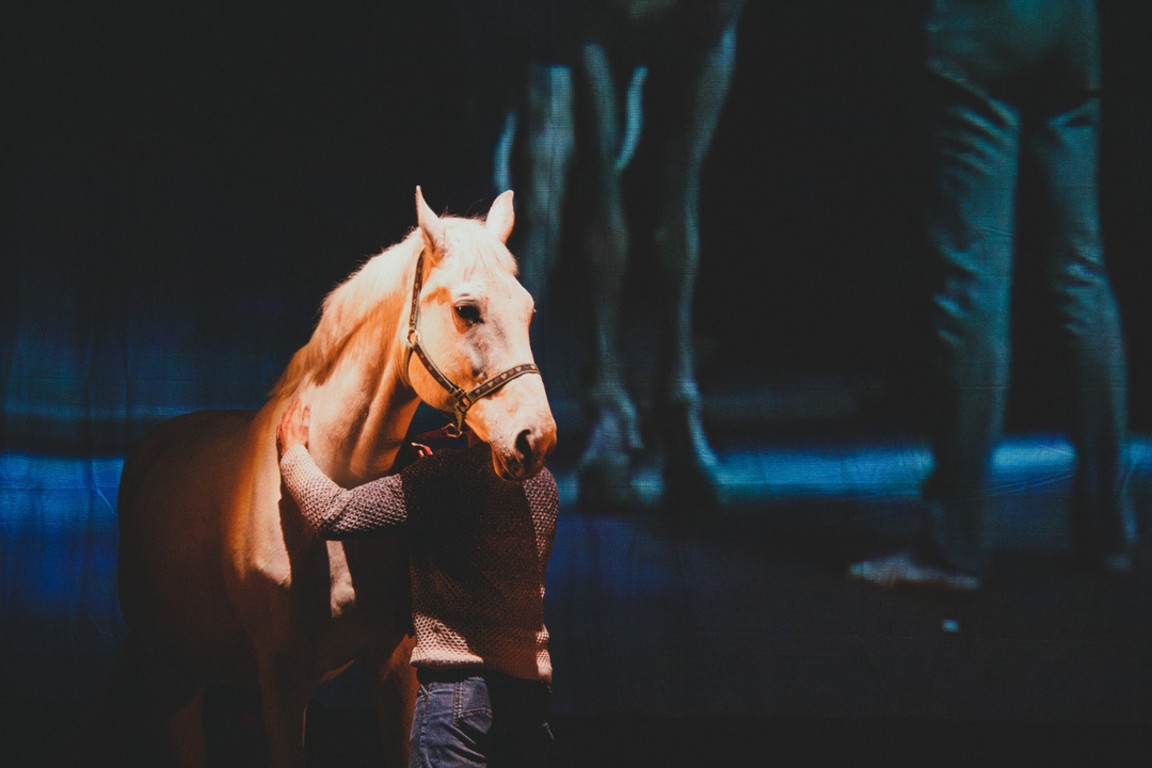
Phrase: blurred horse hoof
(606,476)
(692,484)
(691,467)
(607,484)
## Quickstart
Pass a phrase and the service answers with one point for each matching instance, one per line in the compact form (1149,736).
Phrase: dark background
(182,184)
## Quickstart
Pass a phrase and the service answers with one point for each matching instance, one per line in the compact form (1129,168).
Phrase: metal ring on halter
(461,400)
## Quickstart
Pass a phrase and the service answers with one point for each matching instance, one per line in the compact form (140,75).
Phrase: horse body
(221,579)
(176,583)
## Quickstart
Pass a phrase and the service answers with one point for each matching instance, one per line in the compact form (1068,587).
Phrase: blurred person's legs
(970,235)
(1012,80)
(1065,148)
(970,230)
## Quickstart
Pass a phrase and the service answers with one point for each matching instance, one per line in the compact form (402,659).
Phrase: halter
(461,400)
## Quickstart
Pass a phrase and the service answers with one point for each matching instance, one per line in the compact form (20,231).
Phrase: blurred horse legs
(614,440)
(609,99)
(691,467)
(549,142)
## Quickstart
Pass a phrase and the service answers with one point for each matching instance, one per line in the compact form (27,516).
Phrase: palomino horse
(219,577)
(604,64)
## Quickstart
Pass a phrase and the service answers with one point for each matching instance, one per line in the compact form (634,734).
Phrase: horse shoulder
(282,578)
(254,538)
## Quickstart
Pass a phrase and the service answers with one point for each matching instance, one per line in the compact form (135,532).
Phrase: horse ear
(501,216)
(430,224)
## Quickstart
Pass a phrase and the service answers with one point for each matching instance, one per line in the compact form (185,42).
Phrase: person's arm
(331,511)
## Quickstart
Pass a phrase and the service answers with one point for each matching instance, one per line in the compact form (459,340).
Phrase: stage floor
(722,637)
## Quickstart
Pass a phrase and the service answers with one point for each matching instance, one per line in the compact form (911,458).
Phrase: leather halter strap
(461,400)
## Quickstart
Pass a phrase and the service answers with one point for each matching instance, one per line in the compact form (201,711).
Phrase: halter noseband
(461,400)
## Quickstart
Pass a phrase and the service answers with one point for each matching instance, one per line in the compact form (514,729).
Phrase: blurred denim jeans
(1013,84)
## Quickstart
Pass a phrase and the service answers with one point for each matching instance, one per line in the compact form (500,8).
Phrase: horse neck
(362,429)
(363,408)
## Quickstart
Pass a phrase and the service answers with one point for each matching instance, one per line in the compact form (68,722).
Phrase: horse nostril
(524,447)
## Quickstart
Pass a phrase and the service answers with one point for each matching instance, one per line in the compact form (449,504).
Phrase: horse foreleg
(691,467)
(392,681)
(605,467)
(549,143)
(159,705)
(185,732)
(286,686)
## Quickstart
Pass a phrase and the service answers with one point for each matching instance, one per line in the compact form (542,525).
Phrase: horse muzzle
(522,435)
(530,450)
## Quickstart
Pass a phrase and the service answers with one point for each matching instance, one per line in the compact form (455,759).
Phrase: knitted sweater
(479,549)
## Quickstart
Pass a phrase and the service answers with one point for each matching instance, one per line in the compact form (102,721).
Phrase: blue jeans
(985,125)
(480,719)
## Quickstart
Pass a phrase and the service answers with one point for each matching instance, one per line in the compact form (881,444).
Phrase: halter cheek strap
(461,400)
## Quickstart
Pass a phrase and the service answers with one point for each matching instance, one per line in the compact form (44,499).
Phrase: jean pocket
(473,699)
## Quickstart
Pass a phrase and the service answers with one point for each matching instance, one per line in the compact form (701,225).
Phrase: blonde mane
(387,275)
(346,308)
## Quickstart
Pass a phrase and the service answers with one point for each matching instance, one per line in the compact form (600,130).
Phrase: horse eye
(469,313)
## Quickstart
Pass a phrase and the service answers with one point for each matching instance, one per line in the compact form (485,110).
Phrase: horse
(220,580)
(604,65)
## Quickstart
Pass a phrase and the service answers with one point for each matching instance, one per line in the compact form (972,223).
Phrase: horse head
(469,331)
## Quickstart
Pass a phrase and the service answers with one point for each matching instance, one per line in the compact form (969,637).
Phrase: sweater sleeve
(334,512)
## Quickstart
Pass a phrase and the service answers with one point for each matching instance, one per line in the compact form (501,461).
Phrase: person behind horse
(479,549)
